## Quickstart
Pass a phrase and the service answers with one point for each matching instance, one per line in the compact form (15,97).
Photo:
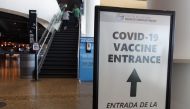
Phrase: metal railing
(78,50)
(45,43)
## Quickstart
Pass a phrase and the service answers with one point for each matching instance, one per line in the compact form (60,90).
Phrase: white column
(89,16)
(83,19)
(182,31)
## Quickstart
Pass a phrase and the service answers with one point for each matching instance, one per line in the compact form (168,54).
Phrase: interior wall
(88,16)
(180,89)
(124,3)
(180,96)
(181,49)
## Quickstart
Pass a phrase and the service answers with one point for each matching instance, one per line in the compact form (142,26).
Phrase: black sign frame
(98,9)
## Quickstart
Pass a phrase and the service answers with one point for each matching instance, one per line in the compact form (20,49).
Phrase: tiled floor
(55,93)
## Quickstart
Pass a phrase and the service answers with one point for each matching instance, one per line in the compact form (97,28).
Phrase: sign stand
(133,58)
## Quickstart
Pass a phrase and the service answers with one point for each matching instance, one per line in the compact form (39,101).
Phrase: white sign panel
(36,46)
(133,51)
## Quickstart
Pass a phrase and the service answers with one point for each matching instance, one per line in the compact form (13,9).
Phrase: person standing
(76,13)
(65,18)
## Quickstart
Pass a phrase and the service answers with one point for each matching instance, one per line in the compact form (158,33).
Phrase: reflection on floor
(9,67)
(46,94)
(56,93)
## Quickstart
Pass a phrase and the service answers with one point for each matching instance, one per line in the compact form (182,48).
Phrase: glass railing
(45,43)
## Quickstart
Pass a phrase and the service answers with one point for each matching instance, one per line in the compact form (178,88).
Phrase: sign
(36,46)
(133,58)
(32,26)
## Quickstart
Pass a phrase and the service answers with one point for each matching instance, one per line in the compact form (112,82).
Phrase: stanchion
(35,73)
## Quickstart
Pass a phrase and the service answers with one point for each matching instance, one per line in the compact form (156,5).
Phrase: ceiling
(15,28)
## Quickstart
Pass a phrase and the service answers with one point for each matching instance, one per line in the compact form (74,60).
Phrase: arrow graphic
(133,78)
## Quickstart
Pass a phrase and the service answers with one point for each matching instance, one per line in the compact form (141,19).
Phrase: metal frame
(98,9)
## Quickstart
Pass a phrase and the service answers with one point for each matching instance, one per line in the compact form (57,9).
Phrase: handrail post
(78,51)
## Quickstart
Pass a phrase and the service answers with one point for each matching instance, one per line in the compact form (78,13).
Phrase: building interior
(58,73)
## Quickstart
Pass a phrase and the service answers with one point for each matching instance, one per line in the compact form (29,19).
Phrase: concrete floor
(46,94)
(54,93)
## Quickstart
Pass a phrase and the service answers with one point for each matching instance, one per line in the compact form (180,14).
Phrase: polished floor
(58,93)
(9,67)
